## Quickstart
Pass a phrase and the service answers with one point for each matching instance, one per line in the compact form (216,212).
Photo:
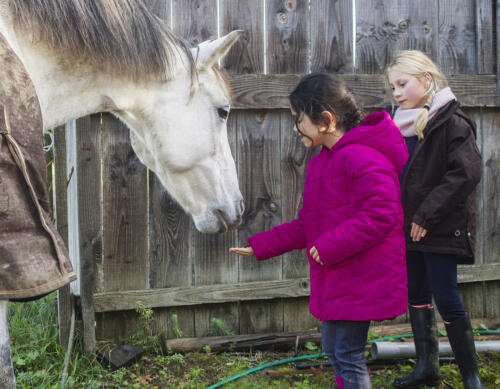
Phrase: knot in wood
(282,17)
(290,5)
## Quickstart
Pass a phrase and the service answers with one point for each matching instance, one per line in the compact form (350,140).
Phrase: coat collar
(435,123)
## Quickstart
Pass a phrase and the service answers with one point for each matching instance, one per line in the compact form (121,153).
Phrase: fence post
(61,215)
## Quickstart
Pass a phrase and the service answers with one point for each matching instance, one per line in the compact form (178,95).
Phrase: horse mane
(121,37)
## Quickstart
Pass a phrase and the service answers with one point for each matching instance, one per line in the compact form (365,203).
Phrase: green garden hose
(312,356)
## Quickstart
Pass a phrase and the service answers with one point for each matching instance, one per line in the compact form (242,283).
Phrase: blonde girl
(437,187)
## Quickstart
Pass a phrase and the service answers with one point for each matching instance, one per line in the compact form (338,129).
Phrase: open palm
(246,251)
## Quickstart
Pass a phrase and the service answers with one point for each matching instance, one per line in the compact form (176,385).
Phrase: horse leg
(7,379)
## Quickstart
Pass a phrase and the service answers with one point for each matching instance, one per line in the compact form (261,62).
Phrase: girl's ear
(330,122)
(428,80)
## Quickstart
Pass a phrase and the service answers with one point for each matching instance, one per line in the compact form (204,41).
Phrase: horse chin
(210,224)
(218,221)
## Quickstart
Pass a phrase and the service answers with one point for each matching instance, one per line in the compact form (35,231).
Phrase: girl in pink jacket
(350,222)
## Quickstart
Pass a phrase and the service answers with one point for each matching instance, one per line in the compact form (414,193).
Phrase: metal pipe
(389,350)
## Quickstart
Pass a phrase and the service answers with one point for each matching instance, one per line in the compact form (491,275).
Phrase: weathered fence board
(384,27)
(259,177)
(257,91)
(485,50)
(124,220)
(89,155)
(247,54)
(331,36)
(61,215)
(245,291)
(160,8)
(287,37)
(473,293)
(257,139)
(125,211)
(457,43)
(491,204)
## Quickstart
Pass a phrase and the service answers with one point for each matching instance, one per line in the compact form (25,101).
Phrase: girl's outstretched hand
(246,251)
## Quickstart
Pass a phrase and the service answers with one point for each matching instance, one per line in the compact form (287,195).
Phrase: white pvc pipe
(7,379)
(390,350)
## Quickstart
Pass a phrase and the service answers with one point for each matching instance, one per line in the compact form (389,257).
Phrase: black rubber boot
(462,343)
(426,372)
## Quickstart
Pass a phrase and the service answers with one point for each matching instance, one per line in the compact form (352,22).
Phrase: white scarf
(404,118)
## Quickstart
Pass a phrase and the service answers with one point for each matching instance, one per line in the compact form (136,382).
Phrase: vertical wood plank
(384,27)
(89,155)
(125,225)
(294,160)
(160,8)
(288,35)
(260,189)
(457,37)
(61,215)
(260,182)
(125,216)
(491,185)
(195,21)
(247,54)
(213,264)
(116,326)
(331,36)
(170,262)
(485,51)
(473,293)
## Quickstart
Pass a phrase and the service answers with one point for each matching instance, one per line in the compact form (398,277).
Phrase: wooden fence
(135,245)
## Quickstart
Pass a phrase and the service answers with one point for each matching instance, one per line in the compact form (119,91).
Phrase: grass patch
(38,361)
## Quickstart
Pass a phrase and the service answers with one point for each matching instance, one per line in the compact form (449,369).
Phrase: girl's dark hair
(318,92)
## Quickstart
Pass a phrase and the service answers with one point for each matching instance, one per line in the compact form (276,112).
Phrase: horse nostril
(242,207)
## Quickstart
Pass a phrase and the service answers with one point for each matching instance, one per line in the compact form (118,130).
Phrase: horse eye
(222,113)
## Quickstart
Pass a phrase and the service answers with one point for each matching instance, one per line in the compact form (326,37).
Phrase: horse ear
(207,53)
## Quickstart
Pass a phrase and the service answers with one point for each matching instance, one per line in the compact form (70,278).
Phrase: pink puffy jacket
(352,214)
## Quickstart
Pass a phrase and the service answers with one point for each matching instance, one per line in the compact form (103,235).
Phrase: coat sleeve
(377,195)
(463,172)
(279,240)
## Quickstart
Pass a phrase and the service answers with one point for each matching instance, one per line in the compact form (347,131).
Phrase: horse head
(184,139)
(117,56)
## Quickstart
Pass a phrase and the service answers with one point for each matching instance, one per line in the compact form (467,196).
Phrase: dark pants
(431,274)
(344,344)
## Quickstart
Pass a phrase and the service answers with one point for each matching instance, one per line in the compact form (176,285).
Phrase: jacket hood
(379,132)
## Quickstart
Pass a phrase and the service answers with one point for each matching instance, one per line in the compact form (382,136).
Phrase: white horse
(86,56)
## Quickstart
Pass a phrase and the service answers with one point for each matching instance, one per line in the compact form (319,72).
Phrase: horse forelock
(122,37)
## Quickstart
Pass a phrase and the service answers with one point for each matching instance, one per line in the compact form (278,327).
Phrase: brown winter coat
(438,189)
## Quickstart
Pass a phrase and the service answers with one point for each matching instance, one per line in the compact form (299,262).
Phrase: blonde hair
(417,64)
